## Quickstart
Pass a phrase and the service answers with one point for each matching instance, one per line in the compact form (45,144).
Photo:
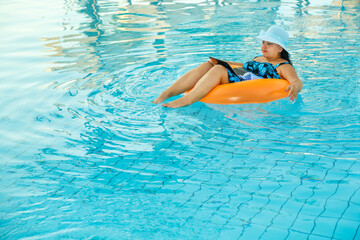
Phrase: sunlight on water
(86,155)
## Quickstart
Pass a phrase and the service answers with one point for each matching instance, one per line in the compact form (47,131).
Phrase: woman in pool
(274,63)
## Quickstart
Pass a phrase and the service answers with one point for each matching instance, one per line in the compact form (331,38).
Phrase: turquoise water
(85,155)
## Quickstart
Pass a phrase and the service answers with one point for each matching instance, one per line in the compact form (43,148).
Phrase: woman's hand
(294,88)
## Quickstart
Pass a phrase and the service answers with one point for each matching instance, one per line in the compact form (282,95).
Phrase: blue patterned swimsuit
(259,69)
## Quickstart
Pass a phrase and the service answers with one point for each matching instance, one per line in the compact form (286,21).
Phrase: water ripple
(86,149)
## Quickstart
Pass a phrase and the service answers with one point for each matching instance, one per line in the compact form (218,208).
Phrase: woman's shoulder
(280,62)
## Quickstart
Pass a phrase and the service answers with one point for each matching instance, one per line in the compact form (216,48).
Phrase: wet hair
(285,55)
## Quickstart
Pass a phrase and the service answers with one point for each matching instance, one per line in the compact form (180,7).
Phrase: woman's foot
(161,98)
(181,102)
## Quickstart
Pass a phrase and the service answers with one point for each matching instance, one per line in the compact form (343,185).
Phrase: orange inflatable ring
(251,91)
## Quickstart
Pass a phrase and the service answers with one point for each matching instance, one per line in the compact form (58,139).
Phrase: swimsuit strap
(256,57)
(280,64)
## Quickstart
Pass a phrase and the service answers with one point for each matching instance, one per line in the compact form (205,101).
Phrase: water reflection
(145,31)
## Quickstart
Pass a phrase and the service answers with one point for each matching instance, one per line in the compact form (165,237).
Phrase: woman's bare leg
(185,83)
(216,76)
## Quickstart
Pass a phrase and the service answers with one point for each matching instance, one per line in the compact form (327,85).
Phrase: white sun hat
(274,34)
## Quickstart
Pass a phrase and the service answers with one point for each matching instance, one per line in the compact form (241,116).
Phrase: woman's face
(271,50)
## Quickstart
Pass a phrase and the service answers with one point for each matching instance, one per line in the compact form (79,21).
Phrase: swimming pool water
(86,155)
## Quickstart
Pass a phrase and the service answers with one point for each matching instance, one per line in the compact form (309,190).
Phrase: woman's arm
(286,71)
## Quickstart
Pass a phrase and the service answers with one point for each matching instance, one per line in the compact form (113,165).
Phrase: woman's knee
(221,71)
(206,65)
(203,68)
